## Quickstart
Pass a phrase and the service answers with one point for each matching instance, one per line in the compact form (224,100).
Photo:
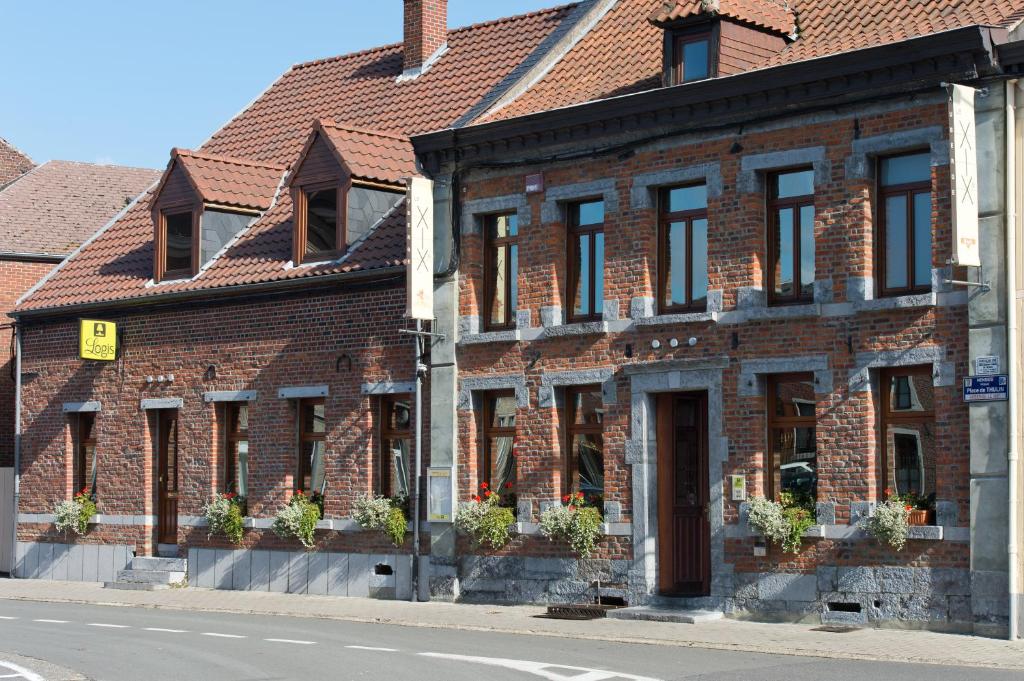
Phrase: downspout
(1013,460)
(17,445)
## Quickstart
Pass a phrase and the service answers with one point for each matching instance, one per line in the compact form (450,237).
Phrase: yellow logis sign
(97,340)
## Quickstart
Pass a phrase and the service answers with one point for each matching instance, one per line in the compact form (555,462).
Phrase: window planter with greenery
(224,515)
(486,519)
(298,519)
(384,514)
(783,522)
(74,515)
(891,521)
(576,521)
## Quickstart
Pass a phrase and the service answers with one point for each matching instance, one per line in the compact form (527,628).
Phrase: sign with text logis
(97,340)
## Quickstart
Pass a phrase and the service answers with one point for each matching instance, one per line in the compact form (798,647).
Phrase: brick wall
(263,345)
(15,278)
(426,30)
(12,163)
(847,448)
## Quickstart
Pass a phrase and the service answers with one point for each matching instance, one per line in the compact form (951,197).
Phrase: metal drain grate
(579,611)
(832,629)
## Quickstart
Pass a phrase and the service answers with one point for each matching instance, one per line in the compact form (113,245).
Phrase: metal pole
(418,338)
(17,447)
(1013,334)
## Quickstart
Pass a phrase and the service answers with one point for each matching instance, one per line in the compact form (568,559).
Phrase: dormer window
(319,228)
(201,204)
(344,183)
(691,59)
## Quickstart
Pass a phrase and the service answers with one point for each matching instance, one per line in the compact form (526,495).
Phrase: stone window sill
(607,529)
(509,336)
(576,329)
(666,319)
(897,302)
(916,532)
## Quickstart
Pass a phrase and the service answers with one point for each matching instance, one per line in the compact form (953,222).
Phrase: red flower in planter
(487,494)
(484,485)
(909,507)
(476,498)
(565,499)
(508,485)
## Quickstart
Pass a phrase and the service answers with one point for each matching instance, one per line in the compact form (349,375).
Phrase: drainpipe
(1012,336)
(17,446)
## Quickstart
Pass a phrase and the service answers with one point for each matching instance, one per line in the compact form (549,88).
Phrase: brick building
(13,162)
(716,261)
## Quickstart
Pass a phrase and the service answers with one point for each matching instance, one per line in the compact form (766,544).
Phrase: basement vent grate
(383,569)
(844,607)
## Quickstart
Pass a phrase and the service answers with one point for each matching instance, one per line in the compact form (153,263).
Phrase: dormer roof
(368,155)
(226,182)
(772,15)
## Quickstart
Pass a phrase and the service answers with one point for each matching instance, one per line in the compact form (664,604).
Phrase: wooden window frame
(775,422)
(488,431)
(908,190)
(665,220)
(773,205)
(303,437)
(573,232)
(572,429)
(301,201)
(675,39)
(160,271)
(387,433)
(232,436)
(891,418)
(80,480)
(491,245)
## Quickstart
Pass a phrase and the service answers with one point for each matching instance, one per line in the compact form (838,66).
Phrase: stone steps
(150,573)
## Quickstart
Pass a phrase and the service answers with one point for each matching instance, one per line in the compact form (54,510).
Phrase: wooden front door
(167,476)
(684,532)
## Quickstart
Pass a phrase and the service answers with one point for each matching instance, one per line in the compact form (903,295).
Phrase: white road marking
(166,631)
(380,650)
(19,672)
(211,633)
(52,621)
(7,617)
(545,670)
(108,626)
(290,640)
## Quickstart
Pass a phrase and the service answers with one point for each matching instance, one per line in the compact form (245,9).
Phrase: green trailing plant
(74,515)
(224,515)
(782,522)
(485,519)
(575,521)
(298,520)
(889,523)
(383,514)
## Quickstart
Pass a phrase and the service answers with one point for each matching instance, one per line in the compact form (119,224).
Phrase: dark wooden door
(684,532)
(167,480)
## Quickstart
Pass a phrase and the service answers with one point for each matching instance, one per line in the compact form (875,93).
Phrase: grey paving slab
(259,571)
(298,572)
(222,568)
(279,571)
(241,570)
(359,574)
(319,564)
(337,574)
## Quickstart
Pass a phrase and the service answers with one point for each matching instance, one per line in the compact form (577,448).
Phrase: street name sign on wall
(419,249)
(986,388)
(97,340)
(963,169)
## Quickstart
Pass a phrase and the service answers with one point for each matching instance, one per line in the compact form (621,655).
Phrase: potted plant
(383,514)
(889,523)
(486,519)
(576,521)
(783,522)
(224,515)
(74,515)
(298,519)
(920,509)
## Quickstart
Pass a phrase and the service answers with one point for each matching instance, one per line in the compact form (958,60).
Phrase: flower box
(920,516)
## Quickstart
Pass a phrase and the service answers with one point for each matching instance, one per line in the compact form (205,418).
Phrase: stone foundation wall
(71,562)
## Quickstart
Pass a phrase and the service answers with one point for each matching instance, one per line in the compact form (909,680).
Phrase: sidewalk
(785,639)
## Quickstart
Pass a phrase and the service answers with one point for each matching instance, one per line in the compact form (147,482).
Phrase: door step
(167,550)
(655,613)
(148,573)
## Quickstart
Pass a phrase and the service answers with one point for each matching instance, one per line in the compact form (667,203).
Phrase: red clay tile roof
(770,14)
(229,181)
(372,155)
(599,67)
(356,91)
(55,207)
(13,162)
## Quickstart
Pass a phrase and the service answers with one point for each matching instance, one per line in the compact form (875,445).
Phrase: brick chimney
(426,31)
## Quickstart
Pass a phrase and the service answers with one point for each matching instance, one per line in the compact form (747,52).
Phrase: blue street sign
(986,388)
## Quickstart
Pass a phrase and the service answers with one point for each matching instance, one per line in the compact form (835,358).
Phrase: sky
(122,82)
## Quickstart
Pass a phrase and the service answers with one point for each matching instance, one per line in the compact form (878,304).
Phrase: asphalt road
(133,644)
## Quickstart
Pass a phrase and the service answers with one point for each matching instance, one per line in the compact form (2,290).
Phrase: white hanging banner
(419,249)
(964,173)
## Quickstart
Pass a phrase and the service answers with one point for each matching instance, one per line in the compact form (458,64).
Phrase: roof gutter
(361,276)
(31,257)
(959,54)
